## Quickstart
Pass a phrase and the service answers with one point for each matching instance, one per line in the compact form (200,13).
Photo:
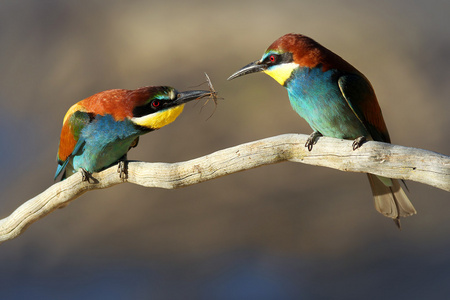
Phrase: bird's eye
(272,58)
(156,103)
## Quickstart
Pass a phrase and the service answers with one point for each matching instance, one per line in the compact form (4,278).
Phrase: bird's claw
(357,143)
(86,176)
(122,170)
(312,140)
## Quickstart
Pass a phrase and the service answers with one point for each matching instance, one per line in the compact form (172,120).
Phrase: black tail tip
(397,222)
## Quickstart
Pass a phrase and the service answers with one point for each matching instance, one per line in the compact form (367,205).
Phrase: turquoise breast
(106,141)
(316,97)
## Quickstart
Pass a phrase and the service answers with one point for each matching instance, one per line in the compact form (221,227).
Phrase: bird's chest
(106,141)
(316,97)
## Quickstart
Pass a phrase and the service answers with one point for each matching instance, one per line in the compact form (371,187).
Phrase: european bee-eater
(98,131)
(336,100)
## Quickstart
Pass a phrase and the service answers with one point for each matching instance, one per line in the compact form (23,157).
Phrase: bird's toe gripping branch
(87,176)
(357,143)
(122,169)
(312,140)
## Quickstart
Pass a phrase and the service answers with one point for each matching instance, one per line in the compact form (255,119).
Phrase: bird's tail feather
(390,199)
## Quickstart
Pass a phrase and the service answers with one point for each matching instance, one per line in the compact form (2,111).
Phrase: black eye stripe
(272,59)
(143,110)
(151,107)
(282,58)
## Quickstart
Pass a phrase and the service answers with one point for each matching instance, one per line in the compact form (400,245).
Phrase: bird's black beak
(184,97)
(253,67)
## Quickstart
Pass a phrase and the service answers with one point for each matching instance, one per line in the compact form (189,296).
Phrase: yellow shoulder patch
(72,110)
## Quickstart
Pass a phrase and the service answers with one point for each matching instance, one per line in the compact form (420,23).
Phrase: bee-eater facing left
(98,131)
(336,100)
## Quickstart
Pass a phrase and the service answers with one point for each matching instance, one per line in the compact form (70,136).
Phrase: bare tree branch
(378,158)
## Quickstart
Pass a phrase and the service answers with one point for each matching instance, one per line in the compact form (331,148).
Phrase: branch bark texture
(373,157)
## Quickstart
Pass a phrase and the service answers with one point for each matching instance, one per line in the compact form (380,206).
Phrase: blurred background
(286,231)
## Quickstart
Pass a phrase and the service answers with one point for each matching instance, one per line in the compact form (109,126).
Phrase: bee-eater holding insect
(336,100)
(98,131)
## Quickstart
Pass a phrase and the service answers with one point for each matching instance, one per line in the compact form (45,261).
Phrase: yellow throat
(159,119)
(282,72)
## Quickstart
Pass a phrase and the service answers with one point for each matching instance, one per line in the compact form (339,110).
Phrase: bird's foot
(122,169)
(312,140)
(357,143)
(86,176)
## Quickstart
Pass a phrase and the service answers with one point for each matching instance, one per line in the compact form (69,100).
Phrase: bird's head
(286,54)
(156,106)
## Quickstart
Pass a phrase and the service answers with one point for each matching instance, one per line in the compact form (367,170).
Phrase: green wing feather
(361,98)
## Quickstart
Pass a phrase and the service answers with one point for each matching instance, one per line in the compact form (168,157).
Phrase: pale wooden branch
(378,158)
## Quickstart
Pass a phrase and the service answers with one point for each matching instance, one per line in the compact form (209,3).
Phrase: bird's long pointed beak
(184,97)
(253,67)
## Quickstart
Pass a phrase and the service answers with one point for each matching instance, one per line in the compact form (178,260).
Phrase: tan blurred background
(286,231)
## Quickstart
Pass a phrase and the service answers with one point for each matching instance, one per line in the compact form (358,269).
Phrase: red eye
(272,58)
(156,103)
